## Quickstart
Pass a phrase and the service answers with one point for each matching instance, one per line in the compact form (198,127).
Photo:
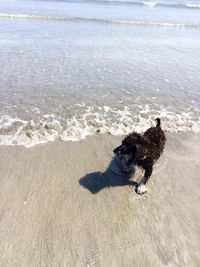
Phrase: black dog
(143,151)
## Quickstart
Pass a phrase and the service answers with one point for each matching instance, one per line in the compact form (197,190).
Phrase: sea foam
(104,21)
(92,121)
(148,3)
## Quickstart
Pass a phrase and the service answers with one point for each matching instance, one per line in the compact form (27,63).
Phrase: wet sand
(60,207)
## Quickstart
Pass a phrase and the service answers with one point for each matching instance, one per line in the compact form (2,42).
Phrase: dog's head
(135,146)
(126,150)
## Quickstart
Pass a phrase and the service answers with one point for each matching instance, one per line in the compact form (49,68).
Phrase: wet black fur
(143,150)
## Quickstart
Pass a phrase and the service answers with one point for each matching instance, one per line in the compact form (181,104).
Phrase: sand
(60,207)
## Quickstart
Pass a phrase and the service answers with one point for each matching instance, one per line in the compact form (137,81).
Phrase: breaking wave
(151,3)
(147,3)
(98,20)
(105,120)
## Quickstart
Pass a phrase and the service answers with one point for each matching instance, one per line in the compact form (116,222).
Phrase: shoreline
(49,218)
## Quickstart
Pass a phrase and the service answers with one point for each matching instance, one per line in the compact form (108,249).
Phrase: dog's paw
(141,189)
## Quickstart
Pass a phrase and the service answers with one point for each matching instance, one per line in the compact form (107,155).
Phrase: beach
(61,207)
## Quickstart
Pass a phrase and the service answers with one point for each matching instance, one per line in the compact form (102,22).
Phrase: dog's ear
(135,148)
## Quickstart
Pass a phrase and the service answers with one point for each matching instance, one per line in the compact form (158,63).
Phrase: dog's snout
(120,150)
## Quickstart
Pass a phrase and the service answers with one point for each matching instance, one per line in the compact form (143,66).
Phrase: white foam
(92,121)
(6,121)
(148,3)
(192,5)
(107,21)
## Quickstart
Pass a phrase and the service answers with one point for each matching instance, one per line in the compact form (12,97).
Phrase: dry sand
(51,214)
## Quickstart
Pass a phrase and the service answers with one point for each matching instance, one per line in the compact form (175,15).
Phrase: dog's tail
(158,121)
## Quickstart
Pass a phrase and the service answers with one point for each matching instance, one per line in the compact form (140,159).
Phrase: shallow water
(72,69)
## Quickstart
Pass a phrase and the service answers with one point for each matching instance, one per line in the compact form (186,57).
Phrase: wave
(104,120)
(99,20)
(191,5)
(148,3)
(165,4)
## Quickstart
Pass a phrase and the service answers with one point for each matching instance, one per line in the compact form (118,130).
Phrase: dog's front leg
(141,189)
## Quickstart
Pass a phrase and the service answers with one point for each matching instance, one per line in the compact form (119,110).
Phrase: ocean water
(70,69)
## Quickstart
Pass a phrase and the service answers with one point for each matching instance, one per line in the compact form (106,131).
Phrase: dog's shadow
(112,177)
